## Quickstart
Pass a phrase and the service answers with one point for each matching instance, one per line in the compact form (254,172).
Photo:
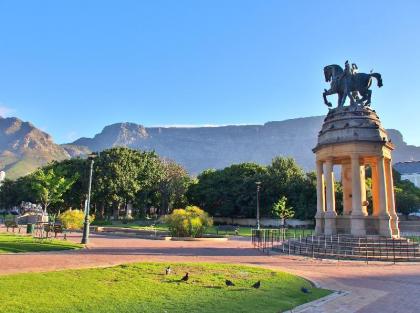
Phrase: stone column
(346,181)
(363,189)
(383,217)
(330,214)
(391,199)
(375,189)
(358,227)
(320,194)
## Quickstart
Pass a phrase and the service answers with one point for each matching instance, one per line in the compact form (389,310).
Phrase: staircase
(369,248)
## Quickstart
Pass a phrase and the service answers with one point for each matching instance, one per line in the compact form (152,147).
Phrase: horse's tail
(378,78)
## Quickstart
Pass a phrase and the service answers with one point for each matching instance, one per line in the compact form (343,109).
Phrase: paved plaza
(376,287)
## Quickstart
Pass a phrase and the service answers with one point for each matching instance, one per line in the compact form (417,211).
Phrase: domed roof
(352,124)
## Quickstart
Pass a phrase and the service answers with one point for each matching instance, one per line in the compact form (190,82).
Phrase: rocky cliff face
(216,147)
(23,147)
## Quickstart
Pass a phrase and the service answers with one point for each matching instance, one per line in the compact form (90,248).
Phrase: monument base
(358,225)
(330,227)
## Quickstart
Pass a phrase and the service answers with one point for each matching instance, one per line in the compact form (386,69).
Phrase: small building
(409,171)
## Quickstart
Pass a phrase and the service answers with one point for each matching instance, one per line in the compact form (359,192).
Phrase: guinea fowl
(168,270)
(185,278)
(304,290)
(256,285)
(229,283)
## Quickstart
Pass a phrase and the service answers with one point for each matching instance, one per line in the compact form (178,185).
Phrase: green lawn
(145,288)
(18,243)
(243,230)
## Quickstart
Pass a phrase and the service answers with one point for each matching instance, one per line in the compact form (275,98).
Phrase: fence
(339,247)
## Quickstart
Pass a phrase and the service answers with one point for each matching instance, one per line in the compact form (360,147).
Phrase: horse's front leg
(325,94)
(341,99)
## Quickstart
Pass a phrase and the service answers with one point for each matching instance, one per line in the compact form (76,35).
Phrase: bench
(54,228)
(12,225)
(228,228)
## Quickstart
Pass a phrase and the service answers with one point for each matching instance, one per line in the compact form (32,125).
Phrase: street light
(258,183)
(85,237)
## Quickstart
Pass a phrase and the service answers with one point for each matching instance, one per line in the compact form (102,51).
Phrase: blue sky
(72,67)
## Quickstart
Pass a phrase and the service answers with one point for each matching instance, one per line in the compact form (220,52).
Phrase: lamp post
(85,237)
(258,183)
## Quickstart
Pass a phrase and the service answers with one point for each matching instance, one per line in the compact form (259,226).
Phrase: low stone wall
(265,222)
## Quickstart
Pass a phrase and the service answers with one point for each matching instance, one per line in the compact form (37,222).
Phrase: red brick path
(373,288)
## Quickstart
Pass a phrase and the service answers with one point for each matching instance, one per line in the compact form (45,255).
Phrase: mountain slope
(216,147)
(23,147)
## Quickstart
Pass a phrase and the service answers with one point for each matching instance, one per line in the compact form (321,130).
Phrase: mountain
(216,147)
(23,147)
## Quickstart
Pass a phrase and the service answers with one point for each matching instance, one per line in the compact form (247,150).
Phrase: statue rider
(348,74)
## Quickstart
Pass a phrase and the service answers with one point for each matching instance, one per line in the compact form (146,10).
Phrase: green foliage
(13,192)
(73,219)
(76,169)
(172,186)
(281,210)
(124,175)
(50,187)
(232,191)
(229,192)
(143,288)
(191,222)
(407,195)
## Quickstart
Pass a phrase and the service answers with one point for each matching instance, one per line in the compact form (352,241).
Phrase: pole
(85,238)
(258,204)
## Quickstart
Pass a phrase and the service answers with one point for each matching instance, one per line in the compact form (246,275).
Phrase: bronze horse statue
(349,84)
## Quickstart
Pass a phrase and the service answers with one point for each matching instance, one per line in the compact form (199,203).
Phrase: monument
(353,139)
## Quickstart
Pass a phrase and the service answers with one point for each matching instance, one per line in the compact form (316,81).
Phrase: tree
(123,176)
(50,187)
(75,196)
(231,191)
(282,211)
(172,186)
(407,195)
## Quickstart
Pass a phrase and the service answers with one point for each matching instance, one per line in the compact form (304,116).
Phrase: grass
(243,230)
(17,243)
(145,288)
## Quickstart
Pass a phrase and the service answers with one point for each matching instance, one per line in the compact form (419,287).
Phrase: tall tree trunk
(101,212)
(116,210)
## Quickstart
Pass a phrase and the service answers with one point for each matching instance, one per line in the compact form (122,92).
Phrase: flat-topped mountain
(23,147)
(216,147)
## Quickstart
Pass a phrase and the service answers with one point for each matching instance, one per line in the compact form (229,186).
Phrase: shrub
(191,222)
(73,219)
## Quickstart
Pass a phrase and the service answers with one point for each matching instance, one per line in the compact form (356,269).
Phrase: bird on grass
(305,290)
(229,283)
(256,285)
(185,278)
(168,270)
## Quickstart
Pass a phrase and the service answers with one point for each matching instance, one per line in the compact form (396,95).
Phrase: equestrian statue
(349,83)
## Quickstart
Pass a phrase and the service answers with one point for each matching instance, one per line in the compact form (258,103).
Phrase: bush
(73,219)
(191,222)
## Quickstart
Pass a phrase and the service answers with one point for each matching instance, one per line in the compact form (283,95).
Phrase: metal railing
(339,247)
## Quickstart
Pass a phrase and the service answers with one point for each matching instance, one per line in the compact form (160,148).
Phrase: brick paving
(379,287)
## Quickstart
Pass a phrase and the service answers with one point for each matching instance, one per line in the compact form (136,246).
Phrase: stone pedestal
(319,224)
(330,223)
(358,226)
(385,226)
